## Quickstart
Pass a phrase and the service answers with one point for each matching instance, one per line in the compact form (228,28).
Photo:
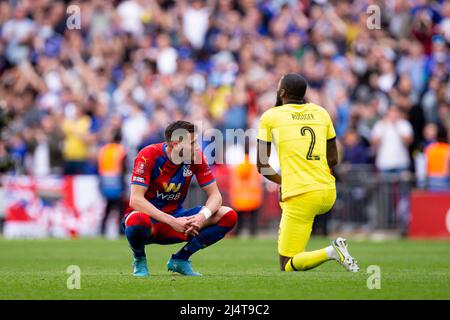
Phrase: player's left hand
(195,223)
(280,197)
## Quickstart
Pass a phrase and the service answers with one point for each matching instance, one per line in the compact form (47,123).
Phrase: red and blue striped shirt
(167,183)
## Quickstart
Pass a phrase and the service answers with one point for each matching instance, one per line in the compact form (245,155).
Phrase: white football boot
(344,258)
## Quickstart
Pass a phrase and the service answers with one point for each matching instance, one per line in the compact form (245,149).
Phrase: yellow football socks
(307,260)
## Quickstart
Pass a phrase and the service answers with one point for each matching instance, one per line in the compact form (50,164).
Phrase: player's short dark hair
(183,125)
(294,85)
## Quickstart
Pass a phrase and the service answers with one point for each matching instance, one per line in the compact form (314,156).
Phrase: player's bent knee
(228,219)
(138,219)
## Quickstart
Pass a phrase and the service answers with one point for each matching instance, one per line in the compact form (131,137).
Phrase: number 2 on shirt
(309,155)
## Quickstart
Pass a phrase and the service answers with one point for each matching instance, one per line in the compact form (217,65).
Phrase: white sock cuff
(331,253)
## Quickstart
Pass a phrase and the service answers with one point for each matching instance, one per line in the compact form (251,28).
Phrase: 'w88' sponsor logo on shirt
(171,191)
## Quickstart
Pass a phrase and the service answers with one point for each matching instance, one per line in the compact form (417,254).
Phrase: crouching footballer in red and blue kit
(159,184)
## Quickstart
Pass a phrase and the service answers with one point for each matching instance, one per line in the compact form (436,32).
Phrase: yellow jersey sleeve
(264,128)
(331,133)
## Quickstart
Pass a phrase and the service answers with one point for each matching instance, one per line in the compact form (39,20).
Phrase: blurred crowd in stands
(136,65)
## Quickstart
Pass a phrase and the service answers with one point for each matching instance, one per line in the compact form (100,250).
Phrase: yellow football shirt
(300,134)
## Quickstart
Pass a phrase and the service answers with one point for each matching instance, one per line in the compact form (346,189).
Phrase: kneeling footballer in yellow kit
(304,137)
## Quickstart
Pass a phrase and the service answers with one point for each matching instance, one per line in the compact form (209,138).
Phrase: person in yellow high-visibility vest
(246,193)
(438,162)
(111,170)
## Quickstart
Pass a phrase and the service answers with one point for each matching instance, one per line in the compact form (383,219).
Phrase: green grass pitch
(233,269)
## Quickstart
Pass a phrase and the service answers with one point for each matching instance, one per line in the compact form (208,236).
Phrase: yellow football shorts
(297,218)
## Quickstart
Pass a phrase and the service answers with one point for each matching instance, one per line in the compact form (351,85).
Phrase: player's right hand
(180,224)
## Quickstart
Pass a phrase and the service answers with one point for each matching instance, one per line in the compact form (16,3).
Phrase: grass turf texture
(233,269)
